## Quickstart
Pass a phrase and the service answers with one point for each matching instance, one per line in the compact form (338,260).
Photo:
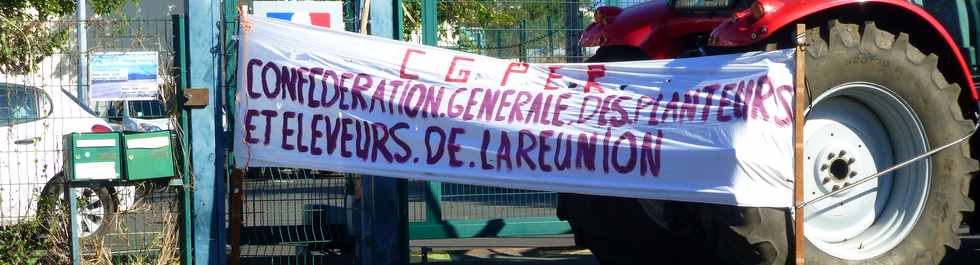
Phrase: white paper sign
(709,129)
(124,76)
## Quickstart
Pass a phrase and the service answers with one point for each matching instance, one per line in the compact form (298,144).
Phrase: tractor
(886,81)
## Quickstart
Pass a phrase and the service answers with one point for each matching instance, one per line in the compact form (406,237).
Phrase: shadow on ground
(551,252)
(524,256)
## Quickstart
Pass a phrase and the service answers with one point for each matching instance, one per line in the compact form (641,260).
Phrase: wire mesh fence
(117,222)
(473,202)
(296,216)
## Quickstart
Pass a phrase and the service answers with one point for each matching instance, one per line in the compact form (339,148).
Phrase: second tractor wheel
(877,101)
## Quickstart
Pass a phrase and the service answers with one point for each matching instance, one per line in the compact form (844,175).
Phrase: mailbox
(148,155)
(93,156)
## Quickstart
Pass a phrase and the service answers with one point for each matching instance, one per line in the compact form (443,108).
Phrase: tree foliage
(30,30)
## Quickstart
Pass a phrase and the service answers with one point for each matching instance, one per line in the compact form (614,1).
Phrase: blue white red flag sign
(327,14)
(710,129)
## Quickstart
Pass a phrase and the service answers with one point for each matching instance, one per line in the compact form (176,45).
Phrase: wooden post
(798,114)
(236,199)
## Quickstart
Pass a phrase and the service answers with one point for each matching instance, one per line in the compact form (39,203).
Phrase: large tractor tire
(877,101)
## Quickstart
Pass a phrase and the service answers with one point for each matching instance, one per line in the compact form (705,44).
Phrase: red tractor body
(658,29)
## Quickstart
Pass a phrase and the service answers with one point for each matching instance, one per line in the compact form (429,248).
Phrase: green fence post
(180,63)
(964,13)
(479,42)
(500,41)
(551,38)
(523,44)
(573,27)
(429,21)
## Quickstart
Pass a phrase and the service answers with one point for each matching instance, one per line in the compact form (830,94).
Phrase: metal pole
(82,96)
(81,92)
(76,257)
(125,116)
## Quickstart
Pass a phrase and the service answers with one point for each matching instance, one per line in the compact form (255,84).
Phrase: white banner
(709,129)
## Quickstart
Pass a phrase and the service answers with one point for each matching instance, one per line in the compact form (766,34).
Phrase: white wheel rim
(853,131)
(91,211)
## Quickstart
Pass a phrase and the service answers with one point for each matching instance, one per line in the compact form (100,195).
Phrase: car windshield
(147,109)
(144,109)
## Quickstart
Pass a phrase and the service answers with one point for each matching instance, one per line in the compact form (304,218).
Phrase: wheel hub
(836,170)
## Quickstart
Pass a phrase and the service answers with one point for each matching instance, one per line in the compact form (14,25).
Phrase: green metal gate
(286,215)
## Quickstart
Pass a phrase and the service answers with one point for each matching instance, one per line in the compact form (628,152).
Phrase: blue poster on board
(124,76)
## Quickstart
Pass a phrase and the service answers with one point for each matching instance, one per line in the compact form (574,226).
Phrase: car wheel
(96,208)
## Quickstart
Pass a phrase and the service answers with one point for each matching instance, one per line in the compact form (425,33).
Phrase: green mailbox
(93,156)
(148,155)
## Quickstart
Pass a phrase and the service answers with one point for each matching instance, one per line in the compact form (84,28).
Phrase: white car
(32,123)
(144,116)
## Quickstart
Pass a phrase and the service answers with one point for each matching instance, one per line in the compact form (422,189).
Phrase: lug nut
(826,179)
(842,153)
(836,187)
(854,173)
(847,184)
(850,161)
(824,167)
(830,156)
